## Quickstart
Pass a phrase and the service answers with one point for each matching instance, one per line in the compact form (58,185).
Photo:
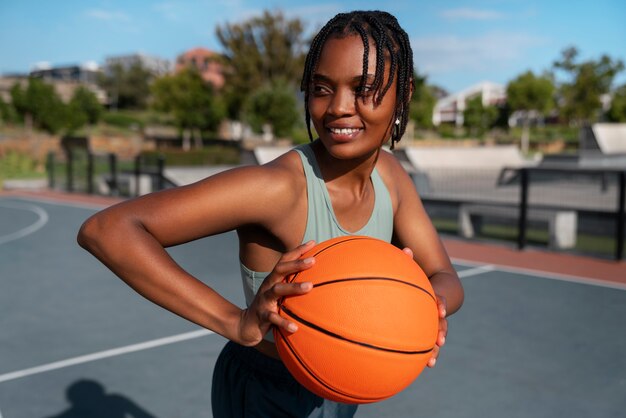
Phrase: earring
(397,121)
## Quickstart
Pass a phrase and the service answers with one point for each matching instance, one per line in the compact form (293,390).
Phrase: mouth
(344,134)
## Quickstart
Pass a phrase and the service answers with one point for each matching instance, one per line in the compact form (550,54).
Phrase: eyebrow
(356,79)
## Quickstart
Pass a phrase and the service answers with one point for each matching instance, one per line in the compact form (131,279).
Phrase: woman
(357,84)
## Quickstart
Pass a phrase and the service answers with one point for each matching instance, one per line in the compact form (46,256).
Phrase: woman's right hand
(262,314)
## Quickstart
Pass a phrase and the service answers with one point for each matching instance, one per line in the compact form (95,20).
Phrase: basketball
(367,328)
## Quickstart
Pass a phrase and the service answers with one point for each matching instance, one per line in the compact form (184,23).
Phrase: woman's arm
(130,239)
(415,234)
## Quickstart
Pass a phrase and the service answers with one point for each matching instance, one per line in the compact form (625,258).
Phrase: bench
(562,224)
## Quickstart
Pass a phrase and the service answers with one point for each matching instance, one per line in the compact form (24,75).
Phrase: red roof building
(206,62)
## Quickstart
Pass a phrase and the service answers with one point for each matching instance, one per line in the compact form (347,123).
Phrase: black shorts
(249,384)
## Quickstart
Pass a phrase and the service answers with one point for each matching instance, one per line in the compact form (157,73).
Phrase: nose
(342,103)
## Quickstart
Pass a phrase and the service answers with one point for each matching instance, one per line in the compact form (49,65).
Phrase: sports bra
(322,224)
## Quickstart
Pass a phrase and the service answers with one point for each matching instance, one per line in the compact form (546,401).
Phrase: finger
(298,251)
(286,268)
(441,306)
(408,251)
(443,332)
(289,289)
(433,359)
(279,321)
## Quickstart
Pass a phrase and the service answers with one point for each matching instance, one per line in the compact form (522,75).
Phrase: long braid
(391,42)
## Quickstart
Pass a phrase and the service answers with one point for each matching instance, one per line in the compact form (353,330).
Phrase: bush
(17,165)
(212,155)
(122,120)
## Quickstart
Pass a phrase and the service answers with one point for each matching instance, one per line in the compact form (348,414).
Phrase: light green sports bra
(322,223)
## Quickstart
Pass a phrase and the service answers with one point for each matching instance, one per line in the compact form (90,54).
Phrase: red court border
(538,260)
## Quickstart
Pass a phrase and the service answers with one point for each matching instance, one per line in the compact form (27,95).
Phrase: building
(87,73)
(450,108)
(157,66)
(206,62)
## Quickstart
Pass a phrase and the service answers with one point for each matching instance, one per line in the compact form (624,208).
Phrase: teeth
(344,131)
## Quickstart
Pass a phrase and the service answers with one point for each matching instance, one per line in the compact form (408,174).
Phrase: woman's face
(345,117)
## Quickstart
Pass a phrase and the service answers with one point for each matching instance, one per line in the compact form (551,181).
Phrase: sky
(455,43)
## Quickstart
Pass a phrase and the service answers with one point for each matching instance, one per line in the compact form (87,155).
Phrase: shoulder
(395,177)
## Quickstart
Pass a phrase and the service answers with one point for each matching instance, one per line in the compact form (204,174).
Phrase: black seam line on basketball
(356,238)
(389,279)
(314,376)
(341,337)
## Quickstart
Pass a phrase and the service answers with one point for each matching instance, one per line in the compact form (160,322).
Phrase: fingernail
(432,362)
(306,286)
(292,327)
(443,340)
(308,260)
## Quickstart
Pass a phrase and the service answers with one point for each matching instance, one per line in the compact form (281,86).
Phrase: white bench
(562,224)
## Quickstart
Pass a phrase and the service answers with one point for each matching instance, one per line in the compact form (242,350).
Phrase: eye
(364,91)
(319,89)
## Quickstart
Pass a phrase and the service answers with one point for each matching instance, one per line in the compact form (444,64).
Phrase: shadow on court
(89,399)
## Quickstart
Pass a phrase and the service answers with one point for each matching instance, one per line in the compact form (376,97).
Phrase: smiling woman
(357,85)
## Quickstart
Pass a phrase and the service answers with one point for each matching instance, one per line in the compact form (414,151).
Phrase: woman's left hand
(443,322)
(443,330)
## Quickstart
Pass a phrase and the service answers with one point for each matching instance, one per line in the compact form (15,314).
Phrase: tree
(479,118)
(39,105)
(587,82)
(617,112)
(527,94)
(191,101)
(7,112)
(127,88)
(87,102)
(260,51)
(275,104)
(422,102)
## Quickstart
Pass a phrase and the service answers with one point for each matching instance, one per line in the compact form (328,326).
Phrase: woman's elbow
(91,232)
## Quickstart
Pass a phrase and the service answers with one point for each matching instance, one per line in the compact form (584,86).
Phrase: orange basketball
(367,328)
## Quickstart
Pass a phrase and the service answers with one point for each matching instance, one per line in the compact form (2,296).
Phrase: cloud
(471,14)
(107,15)
(494,50)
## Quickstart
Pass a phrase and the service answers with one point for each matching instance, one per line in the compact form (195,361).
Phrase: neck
(353,170)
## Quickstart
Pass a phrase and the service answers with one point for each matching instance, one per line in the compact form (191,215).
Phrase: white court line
(52,201)
(34,227)
(476,271)
(103,354)
(547,275)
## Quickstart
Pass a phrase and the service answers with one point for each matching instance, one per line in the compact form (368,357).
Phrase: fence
(78,170)
(569,209)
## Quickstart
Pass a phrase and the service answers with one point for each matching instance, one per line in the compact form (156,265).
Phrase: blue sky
(456,43)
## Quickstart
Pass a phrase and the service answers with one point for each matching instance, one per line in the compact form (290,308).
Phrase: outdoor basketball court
(72,336)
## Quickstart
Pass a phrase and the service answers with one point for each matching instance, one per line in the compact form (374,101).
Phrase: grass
(17,165)
(585,243)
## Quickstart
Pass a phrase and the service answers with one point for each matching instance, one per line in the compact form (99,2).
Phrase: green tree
(422,102)
(87,102)
(264,49)
(127,88)
(585,83)
(8,114)
(275,104)
(191,101)
(39,105)
(530,94)
(617,111)
(478,118)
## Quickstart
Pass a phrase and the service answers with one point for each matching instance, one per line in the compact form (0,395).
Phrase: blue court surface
(74,338)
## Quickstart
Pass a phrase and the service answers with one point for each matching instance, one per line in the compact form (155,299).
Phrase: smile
(344,131)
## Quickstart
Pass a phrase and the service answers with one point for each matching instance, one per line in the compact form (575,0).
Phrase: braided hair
(391,42)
